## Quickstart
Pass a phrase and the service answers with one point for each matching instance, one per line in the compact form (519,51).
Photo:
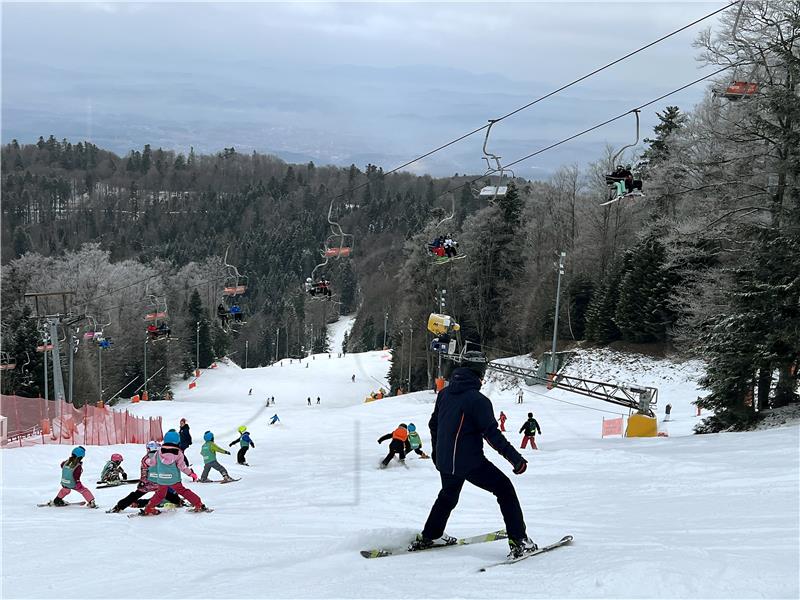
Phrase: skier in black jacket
(461,420)
(530,428)
(186,439)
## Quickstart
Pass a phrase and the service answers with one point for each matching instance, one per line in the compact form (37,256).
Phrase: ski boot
(58,502)
(113,509)
(203,480)
(149,512)
(201,508)
(227,478)
(519,548)
(423,543)
(91,504)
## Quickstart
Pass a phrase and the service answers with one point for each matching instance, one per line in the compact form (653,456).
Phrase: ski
(476,539)
(200,510)
(81,503)
(231,480)
(562,542)
(101,485)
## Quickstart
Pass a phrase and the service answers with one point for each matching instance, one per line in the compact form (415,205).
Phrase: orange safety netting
(37,421)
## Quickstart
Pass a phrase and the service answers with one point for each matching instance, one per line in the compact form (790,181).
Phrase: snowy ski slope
(711,516)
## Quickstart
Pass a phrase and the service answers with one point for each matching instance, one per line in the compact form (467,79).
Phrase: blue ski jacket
(461,420)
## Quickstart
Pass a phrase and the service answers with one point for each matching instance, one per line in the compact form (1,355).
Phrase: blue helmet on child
(208,436)
(412,428)
(172,437)
(79,451)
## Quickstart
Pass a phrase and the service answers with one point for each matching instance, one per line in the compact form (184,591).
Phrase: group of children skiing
(160,472)
(405,439)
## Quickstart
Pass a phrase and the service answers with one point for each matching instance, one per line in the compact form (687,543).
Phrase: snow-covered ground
(337,331)
(712,516)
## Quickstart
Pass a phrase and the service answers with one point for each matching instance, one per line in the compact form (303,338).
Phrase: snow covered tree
(642,313)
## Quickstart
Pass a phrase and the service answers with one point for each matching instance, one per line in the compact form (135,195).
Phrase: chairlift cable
(544,97)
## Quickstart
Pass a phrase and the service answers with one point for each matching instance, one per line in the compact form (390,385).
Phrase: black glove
(520,467)
(125,476)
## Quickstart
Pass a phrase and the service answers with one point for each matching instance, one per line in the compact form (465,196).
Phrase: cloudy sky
(342,82)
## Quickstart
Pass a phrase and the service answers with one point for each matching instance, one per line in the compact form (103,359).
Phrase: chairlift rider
(236,313)
(321,287)
(623,181)
(222,314)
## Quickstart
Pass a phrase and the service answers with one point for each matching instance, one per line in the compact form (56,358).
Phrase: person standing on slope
(530,428)
(186,439)
(71,470)
(462,418)
(209,453)
(166,464)
(244,442)
(502,420)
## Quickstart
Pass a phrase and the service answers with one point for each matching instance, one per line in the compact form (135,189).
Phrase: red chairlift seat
(740,89)
(343,251)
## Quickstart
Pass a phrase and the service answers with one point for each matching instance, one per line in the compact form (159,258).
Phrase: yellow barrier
(641,426)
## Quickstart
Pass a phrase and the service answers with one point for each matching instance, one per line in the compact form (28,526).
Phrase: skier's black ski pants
(137,493)
(240,455)
(395,447)
(487,477)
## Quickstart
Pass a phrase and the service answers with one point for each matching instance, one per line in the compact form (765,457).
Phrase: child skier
(502,420)
(209,452)
(414,442)
(399,438)
(530,429)
(71,470)
(145,485)
(244,442)
(166,465)
(113,472)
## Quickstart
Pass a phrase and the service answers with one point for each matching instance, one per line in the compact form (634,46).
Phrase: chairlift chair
(493,191)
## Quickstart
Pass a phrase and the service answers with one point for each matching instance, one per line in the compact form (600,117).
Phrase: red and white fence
(34,421)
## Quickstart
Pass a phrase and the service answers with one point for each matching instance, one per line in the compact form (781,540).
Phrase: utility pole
(277,341)
(100,370)
(73,348)
(246,348)
(385,323)
(145,364)
(442,295)
(58,380)
(197,345)
(555,321)
(410,352)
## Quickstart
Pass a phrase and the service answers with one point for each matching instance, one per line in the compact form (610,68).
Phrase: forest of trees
(706,264)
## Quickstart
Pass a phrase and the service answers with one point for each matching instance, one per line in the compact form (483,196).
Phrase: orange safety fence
(612,426)
(36,421)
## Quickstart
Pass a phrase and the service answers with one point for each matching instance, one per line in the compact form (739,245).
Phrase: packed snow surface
(684,516)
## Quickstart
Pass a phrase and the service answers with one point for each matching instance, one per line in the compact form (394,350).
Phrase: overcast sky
(342,82)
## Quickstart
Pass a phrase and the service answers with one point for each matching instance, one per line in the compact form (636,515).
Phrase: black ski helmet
(476,362)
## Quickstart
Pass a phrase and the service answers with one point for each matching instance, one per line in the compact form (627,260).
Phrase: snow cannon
(442,324)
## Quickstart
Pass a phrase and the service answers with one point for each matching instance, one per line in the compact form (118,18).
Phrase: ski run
(683,516)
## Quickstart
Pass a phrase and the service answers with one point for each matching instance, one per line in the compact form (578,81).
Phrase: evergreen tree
(641,313)
(367,340)
(671,121)
(600,325)
(197,316)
